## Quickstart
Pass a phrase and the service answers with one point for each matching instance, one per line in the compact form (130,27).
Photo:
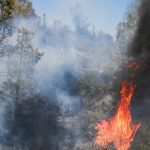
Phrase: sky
(103,14)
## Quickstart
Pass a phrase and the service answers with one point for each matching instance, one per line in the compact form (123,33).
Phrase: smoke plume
(139,52)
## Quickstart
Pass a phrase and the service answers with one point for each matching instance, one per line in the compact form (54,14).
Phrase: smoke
(140,46)
(38,121)
(50,118)
(139,51)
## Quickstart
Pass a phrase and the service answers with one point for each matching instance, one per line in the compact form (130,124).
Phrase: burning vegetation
(119,129)
(56,83)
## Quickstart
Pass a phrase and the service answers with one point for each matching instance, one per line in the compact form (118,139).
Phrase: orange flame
(119,129)
(133,64)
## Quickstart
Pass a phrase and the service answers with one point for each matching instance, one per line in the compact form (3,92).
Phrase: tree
(80,21)
(10,9)
(24,8)
(21,83)
(6,14)
(125,33)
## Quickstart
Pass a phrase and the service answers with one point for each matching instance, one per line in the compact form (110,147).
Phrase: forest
(57,82)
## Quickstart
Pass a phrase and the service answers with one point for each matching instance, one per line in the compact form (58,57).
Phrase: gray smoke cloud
(48,119)
(139,51)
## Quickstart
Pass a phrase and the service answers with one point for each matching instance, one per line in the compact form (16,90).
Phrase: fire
(119,130)
(133,64)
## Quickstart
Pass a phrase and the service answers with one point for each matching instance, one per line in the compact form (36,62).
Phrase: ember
(133,64)
(119,129)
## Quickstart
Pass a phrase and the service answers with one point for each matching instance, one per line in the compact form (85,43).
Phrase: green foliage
(24,8)
(7,10)
(93,87)
(10,9)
